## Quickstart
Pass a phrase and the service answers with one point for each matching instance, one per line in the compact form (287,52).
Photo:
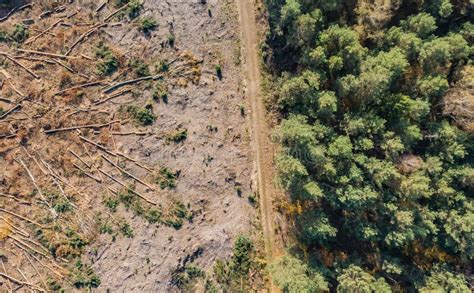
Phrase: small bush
(148,24)
(20,33)
(166,178)
(62,206)
(139,68)
(219,71)
(141,115)
(153,216)
(163,66)
(126,230)
(134,8)
(108,63)
(178,135)
(171,40)
(160,93)
(111,204)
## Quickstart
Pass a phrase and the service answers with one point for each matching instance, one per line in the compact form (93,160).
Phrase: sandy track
(262,146)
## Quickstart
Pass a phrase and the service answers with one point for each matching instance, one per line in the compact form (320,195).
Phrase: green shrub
(139,68)
(126,230)
(108,63)
(20,33)
(134,8)
(141,115)
(178,135)
(166,178)
(111,204)
(148,24)
(160,93)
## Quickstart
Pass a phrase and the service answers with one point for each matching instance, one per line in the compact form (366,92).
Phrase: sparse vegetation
(147,24)
(142,115)
(107,63)
(139,68)
(166,178)
(134,8)
(20,33)
(177,136)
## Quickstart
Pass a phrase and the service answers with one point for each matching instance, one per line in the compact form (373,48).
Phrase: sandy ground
(211,163)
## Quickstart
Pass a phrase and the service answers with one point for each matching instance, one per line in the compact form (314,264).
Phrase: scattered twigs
(15,199)
(80,127)
(81,86)
(128,173)
(34,183)
(86,173)
(127,82)
(34,59)
(85,35)
(101,6)
(80,159)
(9,79)
(32,39)
(27,246)
(16,281)
(23,218)
(112,97)
(129,133)
(17,106)
(6,100)
(36,270)
(9,57)
(115,12)
(102,148)
(124,185)
(43,53)
(65,66)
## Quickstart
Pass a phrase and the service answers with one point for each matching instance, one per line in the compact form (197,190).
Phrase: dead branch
(43,53)
(34,59)
(81,86)
(102,148)
(16,199)
(23,218)
(81,127)
(9,78)
(36,270)
(9,57)
(27,245)
(86,173)
(130,133)
(65,66)
(8,14)
(17,106)
(80,159)
(124,83)
(115,12)
(101,6)
(124,185)
(32,39)
(112,97)
(83,36)
(128,173)
(35,185)
(16,281)
(6,100)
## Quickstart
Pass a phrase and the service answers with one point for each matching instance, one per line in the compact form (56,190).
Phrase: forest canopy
(376,112)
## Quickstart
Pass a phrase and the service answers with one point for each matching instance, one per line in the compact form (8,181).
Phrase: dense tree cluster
(383,180)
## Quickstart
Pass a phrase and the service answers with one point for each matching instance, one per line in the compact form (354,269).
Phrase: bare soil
(214,164)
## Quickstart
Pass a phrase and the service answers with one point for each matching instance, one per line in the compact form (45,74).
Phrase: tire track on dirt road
(263,148)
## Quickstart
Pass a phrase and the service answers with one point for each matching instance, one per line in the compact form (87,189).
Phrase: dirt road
(262,146)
